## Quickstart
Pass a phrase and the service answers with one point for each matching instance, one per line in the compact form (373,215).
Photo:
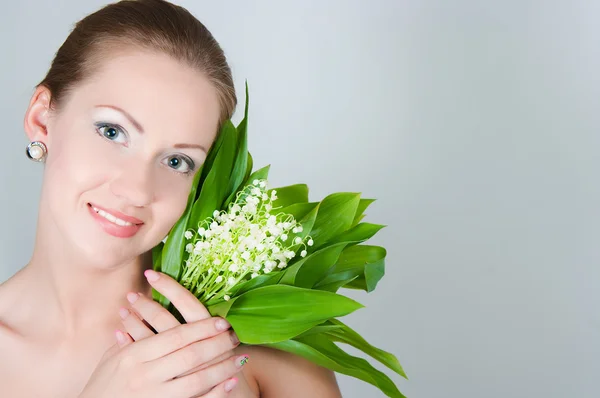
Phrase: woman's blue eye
(112,132)
(181,164)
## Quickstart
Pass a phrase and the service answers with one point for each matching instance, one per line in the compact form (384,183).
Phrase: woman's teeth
(112,218)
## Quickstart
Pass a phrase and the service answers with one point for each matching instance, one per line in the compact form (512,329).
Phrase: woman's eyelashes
(112,132)
(179,163)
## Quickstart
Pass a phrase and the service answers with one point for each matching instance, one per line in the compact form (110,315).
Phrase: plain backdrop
(474,123)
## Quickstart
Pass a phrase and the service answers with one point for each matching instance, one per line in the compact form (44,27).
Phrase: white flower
(295,230)
(231,281)
(255,182)
(254,275)
(188,235)
(310,242)
(263,184)
(226,298)
(201,231)
(303,253)
(189,247)
(289,254)
(216,261)
(284,237)
(219,279)
(216,213)
(298,240)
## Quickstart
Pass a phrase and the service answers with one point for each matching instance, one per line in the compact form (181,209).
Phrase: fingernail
(152,276)
(124,313)
(132,297)
(120,337)
(234,338)
(222,324)
(241,361)
(230,384)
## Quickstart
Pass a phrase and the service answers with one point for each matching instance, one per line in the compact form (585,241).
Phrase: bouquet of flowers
(271,262)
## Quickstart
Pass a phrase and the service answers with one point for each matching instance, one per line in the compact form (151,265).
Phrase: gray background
(474,123)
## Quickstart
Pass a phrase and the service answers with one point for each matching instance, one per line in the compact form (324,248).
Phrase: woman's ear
(37,115)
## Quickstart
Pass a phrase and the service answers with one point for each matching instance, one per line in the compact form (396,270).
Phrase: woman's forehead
(156,89)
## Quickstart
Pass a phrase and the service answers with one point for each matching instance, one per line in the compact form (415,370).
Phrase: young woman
(131,104)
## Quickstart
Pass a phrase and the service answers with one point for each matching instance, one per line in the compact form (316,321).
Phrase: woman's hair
(154,25)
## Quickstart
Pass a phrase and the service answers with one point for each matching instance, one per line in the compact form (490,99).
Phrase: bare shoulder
(282,374)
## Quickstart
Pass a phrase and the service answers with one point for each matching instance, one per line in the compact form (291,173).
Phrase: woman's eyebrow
(190,146)
(141,129)
(127,115)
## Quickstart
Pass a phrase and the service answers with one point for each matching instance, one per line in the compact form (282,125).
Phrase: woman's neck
(67,295)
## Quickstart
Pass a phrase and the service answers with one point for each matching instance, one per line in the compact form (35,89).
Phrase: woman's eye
(180,164)
(112,132)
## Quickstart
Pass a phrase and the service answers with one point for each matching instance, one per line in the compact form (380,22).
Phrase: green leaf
(336,213)
(276,313)
(344,334)
(261,280)
(238,173)
(248,169)
(214,189)
(171,258)
(358,233)
(305,214)
(367,262)
(211,156)
(290,195)
(311,269)
(319,329)
(157,255)
(362,206)
(332,283)
(260,174)
(320,350)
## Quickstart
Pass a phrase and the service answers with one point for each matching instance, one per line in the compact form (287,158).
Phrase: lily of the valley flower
(248,240)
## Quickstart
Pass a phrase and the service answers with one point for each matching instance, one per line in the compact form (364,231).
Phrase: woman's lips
(115,223)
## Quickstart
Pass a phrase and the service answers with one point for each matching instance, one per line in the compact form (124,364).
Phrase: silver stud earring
(37,151)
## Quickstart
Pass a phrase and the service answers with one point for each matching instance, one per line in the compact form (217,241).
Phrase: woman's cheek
(172,192)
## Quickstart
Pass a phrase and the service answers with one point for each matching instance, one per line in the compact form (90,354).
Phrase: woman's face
(122,154)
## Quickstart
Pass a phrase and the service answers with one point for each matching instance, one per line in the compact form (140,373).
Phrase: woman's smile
(114,222)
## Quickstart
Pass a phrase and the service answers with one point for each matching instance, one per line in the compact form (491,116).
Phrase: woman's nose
(134,185)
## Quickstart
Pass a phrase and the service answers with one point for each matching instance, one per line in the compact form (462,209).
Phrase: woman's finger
(153,313)
(186,303)
(123,339)
(190,357)
(137,329)
(206,381)
(181,336)
(218,359)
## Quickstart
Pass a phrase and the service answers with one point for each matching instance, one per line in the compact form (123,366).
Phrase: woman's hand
(176,362)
